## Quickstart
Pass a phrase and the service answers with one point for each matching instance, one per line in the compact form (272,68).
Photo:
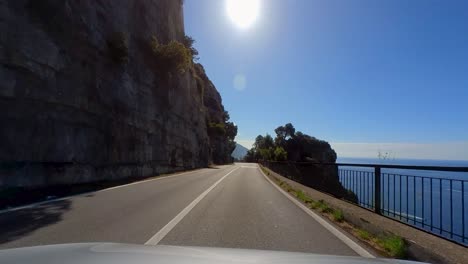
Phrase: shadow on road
(17,224)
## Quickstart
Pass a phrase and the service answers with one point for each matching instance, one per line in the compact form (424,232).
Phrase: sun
(243,12)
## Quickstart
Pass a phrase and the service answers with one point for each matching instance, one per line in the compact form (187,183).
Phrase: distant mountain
(239,152)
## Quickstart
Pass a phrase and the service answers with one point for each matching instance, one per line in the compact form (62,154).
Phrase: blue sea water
(435,201)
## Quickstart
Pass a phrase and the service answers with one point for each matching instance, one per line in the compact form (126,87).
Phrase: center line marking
(169,226)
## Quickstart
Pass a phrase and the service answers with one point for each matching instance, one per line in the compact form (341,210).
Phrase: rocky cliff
(70,113)
(221,132)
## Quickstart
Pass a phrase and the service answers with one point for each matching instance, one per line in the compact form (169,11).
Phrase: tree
(222,134)
(290,130)
(264,147)
(226,116)
(293,145)
(263,142)
(250,156)
(280,154)
(231,130)
(303,147)
(258,142)
(284,133)
(267,153)
(280,139)
(268,142)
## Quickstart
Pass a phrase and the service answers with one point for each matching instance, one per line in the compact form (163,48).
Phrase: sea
(435,201)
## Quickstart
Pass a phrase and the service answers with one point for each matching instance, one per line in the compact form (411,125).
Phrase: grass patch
(303,197)
(313,205)
(363,234)
(287,187)
(338,216)
(268,173)
(395,246)
(323,207)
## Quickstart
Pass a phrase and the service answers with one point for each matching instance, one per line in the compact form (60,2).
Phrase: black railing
(429,198)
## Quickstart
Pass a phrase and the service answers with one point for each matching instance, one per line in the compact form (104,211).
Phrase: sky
(364,75)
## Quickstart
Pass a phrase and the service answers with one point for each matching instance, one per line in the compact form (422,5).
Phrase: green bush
(188,43)
(394,245)
(171,58)
(338,216)
(286,186)
(303,196)
(363,234)
(267,153)
(324,208)
(266,171)
(216,129)
(280,154)
(118,47)
(313,205)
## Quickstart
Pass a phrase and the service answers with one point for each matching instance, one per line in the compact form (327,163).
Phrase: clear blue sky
(347,71)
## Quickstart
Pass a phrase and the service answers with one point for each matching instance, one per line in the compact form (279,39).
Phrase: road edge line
(13,209)
(155,239)
(340,235)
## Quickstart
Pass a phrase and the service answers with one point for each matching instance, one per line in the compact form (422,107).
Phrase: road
(231,206)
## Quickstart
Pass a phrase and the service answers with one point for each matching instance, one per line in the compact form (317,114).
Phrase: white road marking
(88,193)
(349,242)
(249,167)
(169,226)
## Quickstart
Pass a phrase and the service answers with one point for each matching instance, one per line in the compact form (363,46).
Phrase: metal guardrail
(428,202)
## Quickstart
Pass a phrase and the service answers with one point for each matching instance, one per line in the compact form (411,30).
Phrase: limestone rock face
(71,114)
(220,147)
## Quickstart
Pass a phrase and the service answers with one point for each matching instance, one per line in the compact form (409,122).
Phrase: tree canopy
(291,145)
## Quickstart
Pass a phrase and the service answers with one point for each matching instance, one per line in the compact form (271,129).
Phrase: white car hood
(106,253)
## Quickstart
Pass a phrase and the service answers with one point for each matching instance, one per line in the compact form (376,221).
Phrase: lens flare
(240,82)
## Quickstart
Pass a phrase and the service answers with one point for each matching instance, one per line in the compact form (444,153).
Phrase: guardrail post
(377,178)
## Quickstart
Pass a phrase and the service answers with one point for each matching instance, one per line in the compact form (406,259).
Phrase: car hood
(106,253)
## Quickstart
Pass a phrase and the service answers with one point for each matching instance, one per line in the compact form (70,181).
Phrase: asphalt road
(231,206)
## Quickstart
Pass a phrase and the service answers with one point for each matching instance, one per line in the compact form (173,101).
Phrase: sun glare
(243,12)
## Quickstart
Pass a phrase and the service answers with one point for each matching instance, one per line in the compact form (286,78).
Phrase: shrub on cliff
(188,43)
(231,130)
(216,129)
(222,133)
(173,57)
(118,47)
